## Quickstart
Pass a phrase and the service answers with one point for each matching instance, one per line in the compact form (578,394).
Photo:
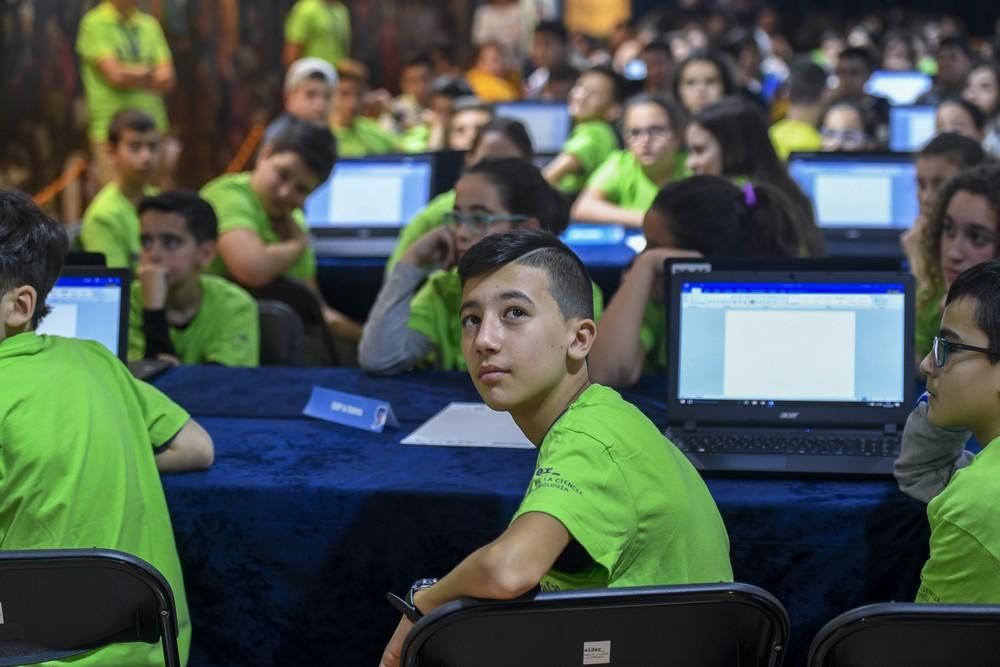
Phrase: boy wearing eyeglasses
(963,391)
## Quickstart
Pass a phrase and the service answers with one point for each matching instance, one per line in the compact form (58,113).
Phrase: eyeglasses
(942,347)
(845,136)
(480,222)
(653,131)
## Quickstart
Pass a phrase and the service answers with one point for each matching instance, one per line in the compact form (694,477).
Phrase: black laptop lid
(788,348)
(91,303)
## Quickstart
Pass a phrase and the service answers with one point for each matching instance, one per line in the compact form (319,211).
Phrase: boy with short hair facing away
(963,386)
(612,503)
(595,101)
(179,314)
(262,231)
(82,439)
(110,223)
(309,85)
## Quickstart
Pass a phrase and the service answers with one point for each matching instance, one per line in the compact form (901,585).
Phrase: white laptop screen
(548,123)
(899,87)
(89,307)
(873,193)
(757,343)
(370,194)
(910,127)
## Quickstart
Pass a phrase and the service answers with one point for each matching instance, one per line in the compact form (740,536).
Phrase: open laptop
(790,372)
(911,127)
(548,123)
(362,207)
(898,87)
(863,201)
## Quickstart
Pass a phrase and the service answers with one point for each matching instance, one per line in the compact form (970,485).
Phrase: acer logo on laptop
(788,415)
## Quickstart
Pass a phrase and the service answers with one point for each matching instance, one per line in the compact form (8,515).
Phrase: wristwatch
(406,606)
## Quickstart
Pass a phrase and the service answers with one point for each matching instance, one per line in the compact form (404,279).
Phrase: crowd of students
(480,282)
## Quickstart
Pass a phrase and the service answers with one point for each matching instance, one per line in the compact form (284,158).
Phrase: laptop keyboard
(815,445)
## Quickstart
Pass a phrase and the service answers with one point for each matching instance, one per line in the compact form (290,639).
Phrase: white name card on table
(469,425)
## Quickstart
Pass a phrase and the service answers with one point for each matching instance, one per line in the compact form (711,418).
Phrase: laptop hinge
(690,425)
(890,429)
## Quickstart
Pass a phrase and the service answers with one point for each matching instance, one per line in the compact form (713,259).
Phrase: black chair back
(58,603)
(282,334)
(711,625)
(320,348)
(914,635)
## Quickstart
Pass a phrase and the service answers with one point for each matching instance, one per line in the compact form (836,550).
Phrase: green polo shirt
(79,473)
(628,496)
(623,181)
(430,217)
(111,226)
(321,28)
(364,137)
(653,336)
(789,136)
(590,142)
(238,207)
(137,40)
(928,321)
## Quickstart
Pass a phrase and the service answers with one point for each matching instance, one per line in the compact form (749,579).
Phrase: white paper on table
(469,425)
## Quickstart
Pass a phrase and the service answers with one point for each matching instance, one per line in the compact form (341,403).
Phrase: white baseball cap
(303,68)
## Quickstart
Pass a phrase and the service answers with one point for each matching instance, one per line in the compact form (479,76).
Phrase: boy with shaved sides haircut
(612,503)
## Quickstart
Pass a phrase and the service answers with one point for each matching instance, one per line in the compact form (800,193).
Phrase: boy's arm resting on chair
(929,455)
(255,264)
(190,449)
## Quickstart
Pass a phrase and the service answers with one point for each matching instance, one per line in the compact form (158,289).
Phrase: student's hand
(153,278)
(340,325)
(394,649)
(651,261)
(435,247)
(169,358)
(288,230)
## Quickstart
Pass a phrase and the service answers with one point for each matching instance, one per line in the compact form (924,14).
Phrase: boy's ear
(206,253)
(585,331)
(19,307)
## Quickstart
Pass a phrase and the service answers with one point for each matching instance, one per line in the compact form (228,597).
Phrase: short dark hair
(661,45)
(524,191)
(135,120)
(32,248)
(421,60)
(313,143)
(982,283)
(563,73)
(512,129)
(958,149)
(978,117)
(956,42)
(859,53)
(806,82)
(569,282)
(619,87)
(199,216)
(554,28)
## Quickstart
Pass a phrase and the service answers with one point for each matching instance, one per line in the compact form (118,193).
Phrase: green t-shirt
(430,217)
(788,136)
(80,473)
(928,321)
(415,139)
(365,137)
(628,496)
(225,330)
(964,563)
(653,336)
(322,29)
(434,313)
(111,226)
(623,182)
(590,142)
(238,207)
(138,40)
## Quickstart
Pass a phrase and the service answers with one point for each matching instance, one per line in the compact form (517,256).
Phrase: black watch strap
(403,607)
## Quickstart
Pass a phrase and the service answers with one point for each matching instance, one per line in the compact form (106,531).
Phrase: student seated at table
(414,322)
(501,137)
(111,224)
(625,184)
(962,231)
(612,503)
(179,314)
(848,128)
(944,156)
(262,231)
(82,439)
(309,85)
(963,386)
(594,103)
(699,216)
(797,131)
(960,116)
(356,134)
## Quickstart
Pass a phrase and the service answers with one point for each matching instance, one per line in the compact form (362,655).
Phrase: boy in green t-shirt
(318,29)
(83,440)
(309,85)
(595,101)
(178,314)
(963,389)
(110,223)
(357,136)
(612,503)
(263,234)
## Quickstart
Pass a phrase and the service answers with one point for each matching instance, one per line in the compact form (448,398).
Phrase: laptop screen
(768,342)
(911,127)
(899,87)
(92,304)
(371,193)
(860,191)
(548,123)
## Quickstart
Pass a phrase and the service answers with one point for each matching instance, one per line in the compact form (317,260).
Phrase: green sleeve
(598,301)
(431,217)
(928,323)
(415,139)
(305,268)
(297,24)
(591,144)
(434,314)
(164,418)
(960,569)
(136,336)
(231,208)
(236,341)
(653,337)
(93,42)
(101,233)
(607,178)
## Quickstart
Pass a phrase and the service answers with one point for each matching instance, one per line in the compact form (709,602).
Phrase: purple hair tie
(749,195)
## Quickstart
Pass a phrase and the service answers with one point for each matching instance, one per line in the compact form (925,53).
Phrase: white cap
(303,68)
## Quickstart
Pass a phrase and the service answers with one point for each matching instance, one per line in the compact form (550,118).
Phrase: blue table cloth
(291,540)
